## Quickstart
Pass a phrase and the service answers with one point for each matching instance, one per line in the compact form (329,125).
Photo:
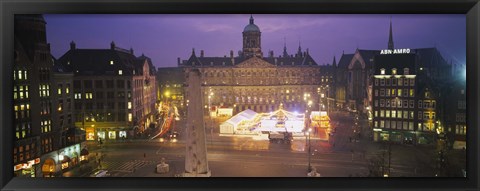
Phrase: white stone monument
(196,163)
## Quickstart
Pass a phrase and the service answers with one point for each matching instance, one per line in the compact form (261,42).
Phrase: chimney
(112,45)
(72,45)
(131,50)
(201,53)
(270,53)
(231,53)
(178,60)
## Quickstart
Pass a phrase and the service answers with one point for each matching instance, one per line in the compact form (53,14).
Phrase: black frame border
(471,8)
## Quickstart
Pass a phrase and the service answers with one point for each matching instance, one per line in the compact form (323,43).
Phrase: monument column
(196,163)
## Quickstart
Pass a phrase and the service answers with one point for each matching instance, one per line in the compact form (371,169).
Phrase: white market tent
(234,124)
(293,122)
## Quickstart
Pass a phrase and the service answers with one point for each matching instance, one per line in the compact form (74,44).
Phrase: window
(388,92)
(376,103)
(98,84)
(412,82)
(419,103)
(405,103)
(111,62)
(382,103)
(412,93)
(394,71)
(387,113)
(382,82)
(394,82)
(405,115)
(412,103)
(376,92)
(399,114)
(120,72)
(88,95)
(382,92)
(387,124)
(410,126)
(388,103)
(382,123)
(376,81)
(400,81)
(406,71)
(382,113)
(382,71)
(59,89)
(110,95)
(394,103)
(130,117)
(129,105)
(388,81)
(99,95)
(78,95)
(109,83)
(433,104)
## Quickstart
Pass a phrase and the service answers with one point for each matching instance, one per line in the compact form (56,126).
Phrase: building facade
(252,81)
(405,98)
(114,91)
(42,105)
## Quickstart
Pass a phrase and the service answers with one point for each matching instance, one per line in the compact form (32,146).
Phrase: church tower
(390,37)
(252,40)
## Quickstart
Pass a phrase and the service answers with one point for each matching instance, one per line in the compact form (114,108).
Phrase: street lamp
(309,150)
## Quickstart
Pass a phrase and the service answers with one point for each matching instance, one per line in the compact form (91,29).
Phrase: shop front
(27,169)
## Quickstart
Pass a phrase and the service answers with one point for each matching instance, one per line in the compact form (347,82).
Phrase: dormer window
(394,71)
(382,71)
(111,62)
(120,72)
(406,71)
(68,63)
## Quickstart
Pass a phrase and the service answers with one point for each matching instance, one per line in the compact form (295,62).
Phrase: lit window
(382,71)
(129,105)
(19,74)
(67,90)
(394,71)
(59,90)
(111,62)
(130,117)
(120,72)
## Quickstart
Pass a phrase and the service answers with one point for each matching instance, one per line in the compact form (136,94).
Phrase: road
(246,156)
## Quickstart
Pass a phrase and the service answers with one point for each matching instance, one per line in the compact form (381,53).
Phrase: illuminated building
(114,91)
(253,81)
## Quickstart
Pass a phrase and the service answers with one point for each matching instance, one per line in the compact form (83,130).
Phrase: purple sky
(166,37)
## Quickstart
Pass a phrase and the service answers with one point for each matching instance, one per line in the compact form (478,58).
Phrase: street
(235,156)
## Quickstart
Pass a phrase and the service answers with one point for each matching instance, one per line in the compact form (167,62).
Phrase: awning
(83,152)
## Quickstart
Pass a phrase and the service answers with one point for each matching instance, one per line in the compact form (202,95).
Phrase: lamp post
(309,150)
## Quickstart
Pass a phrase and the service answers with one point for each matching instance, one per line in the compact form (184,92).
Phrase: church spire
(251,19)
(299,53)
(285,54)
(390,37)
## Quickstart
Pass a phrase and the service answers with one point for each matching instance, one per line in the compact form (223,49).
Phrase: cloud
(207,27)
(289,25)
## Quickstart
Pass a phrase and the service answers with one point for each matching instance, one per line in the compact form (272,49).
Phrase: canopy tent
(232,124)
(282,121)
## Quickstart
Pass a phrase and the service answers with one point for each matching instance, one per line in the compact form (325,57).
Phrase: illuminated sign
(396,51)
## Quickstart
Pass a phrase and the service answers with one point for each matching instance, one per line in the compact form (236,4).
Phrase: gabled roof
(367,56)
(242,116)
(345,60)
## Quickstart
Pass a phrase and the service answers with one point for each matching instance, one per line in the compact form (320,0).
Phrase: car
(173,136)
